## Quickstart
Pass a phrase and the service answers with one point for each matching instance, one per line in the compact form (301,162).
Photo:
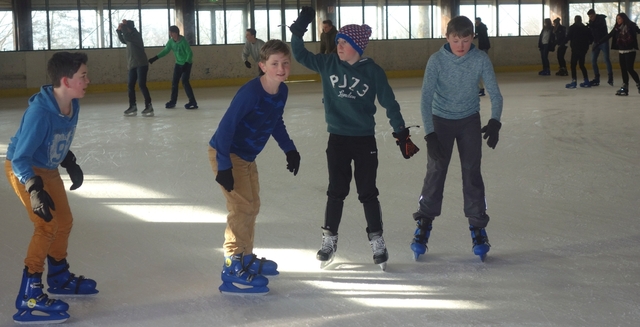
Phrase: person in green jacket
(182,70)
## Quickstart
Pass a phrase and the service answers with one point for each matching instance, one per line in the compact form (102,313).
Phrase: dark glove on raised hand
(247,63)
(225,178)
(306,16)
(41,202)
(434,147)
(152,60)
(293,161)
(403,140)
(74,171)
(491,131)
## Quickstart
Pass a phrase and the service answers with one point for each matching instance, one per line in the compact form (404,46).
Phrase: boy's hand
(41,202)
(247,63)
(403,140)
(434,147)
(74,171)
(225,178)
(306,16)
(490,131)
(293,161)
(152,60)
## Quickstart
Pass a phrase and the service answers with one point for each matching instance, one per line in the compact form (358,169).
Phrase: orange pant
(50,238)
(243,203)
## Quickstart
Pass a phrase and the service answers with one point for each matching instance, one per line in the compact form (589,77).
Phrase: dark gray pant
(363,152)
(466,134)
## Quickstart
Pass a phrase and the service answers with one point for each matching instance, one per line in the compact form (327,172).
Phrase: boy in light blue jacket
(450,112)
(42,143)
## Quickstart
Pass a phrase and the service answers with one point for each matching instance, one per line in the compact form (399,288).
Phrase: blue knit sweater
(450,86)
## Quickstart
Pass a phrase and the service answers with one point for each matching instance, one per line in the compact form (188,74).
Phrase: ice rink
(562,187)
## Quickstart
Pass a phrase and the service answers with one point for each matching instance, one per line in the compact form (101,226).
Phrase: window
(6,31)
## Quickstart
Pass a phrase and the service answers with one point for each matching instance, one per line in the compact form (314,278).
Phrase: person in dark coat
(580,38)
(598,27)
(546,44)
(482,35)
(560,32)
(625,40)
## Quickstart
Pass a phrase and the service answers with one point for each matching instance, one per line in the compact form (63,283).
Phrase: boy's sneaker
(131,111)
(191,105)
(379,248)
(148,110)
(170,105)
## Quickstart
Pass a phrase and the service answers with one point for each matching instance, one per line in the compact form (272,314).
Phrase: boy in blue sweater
(41,144)
(350,85)
(255,114)
(450,112)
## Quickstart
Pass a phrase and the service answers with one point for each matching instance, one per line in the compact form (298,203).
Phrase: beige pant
(243,203)
(49,238)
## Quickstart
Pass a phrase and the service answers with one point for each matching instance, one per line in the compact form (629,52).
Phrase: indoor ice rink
(561,189)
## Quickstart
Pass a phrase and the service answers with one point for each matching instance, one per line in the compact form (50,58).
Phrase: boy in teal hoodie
(450,112)
(350,85)
(182,70)
(41,144)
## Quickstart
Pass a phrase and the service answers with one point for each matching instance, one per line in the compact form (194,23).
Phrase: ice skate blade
(148,115)
(383,266)
(71,293)
(25,317)
(242,290)
(324,264)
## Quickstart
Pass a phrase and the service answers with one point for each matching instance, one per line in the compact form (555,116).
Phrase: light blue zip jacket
(44,136)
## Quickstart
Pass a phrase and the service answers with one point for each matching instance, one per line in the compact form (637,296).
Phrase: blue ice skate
(480,242)
(63,282)
(421,237)
(35,307)
(239,281)
(259,266)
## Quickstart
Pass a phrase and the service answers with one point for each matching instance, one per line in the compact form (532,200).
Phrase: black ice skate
(380,254)
(328,248)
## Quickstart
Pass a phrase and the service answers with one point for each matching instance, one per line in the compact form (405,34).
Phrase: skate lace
(480,238)
(378,246)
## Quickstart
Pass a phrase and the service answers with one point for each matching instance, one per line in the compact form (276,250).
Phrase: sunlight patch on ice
(174,213)
(413,303)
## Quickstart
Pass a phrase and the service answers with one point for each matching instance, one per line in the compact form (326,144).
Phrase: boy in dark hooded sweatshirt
(450,112)
(41,144)
(350,84)
(598,27)
(137,65)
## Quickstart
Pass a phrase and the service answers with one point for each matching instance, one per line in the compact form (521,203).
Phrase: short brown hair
(273,47)
(460,26)
(65,64)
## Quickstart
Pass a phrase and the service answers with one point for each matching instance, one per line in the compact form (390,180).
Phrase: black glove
(225,178)
(306,16)
(491,132)
(74,171)
(152,60)
(247,63)
(434,147)
(403,139)
(41,202)
(293,161)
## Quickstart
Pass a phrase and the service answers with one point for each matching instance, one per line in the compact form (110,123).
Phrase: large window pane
(398,22)
(421,22)
(6,31)
(508,19)
(487,12)
(155,27)
(350,15)
(205,27)
(276,25)
(64,29)
(532,20)
(609,9)
(375,17)
(578,9)
(120,9)
(235,30)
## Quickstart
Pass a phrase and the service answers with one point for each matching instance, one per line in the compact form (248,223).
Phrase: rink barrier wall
(23,72)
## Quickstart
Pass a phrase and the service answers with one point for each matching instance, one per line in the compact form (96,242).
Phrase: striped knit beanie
(356,35)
